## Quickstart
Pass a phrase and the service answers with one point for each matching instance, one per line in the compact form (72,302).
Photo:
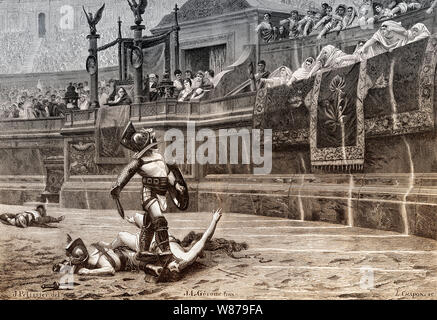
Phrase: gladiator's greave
(146,234)
(160,227)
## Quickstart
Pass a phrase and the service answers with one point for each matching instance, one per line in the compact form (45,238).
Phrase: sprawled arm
(199,245)
(49,219)
(104,271)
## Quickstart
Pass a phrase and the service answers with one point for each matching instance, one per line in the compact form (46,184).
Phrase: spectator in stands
(331,58)
(391,35)
(291,24)
(71,105)
(279,77)
(262,73)
(266,30)
(282,33)
(324,6)
(209,79)
(327,17)
(365,15)
(189,75)
(186,93)
(198,80)
(401,6)
(60,108)
(306,24)
(351,18)
(178,82)
(103,96)
(380,12)
(84,104)
(197,85)
(122,98)
(153,87)
(303,72)
(336,22)
(418,32)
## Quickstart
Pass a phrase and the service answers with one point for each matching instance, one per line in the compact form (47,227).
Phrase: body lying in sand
(37,217)
(121,255)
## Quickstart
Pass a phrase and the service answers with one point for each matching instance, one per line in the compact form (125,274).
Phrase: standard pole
(138,78)
(120,61)
(94,77)
(176,37)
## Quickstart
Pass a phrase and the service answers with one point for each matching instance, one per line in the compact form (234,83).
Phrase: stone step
(47,205)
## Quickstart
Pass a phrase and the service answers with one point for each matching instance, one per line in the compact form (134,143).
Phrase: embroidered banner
(111,123)
(399,89)
(285,110)
(337,121)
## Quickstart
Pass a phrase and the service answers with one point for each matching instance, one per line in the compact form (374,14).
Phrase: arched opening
(42,25)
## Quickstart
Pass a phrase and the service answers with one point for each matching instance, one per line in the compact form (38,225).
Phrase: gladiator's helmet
(138,140)
(21,221)
(77,252)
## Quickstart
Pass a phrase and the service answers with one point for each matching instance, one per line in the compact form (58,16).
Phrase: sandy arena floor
(286,260)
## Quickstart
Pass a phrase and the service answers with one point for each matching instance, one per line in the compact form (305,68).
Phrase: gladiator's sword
(119,207)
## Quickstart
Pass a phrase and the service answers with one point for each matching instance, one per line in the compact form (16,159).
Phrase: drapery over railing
(333,112)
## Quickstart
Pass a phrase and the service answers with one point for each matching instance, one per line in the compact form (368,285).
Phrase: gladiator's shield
(181,200)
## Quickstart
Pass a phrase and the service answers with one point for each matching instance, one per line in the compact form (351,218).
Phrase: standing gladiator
(158,178)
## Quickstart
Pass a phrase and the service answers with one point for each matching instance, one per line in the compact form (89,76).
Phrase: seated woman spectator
(391,35)
(279,77)
(121,98)
(331,58)
(350,19)
(418,32)
(186,93)
(266,30)
(303,72)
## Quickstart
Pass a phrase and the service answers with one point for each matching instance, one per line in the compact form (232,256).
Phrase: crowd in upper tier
(389,36)
(47,101)
(327,19)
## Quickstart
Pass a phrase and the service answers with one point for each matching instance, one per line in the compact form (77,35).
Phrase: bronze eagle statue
(94,20)
(138,9)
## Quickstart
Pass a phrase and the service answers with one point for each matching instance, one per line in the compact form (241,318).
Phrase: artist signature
(24,294)
(415,294)
(203,293)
